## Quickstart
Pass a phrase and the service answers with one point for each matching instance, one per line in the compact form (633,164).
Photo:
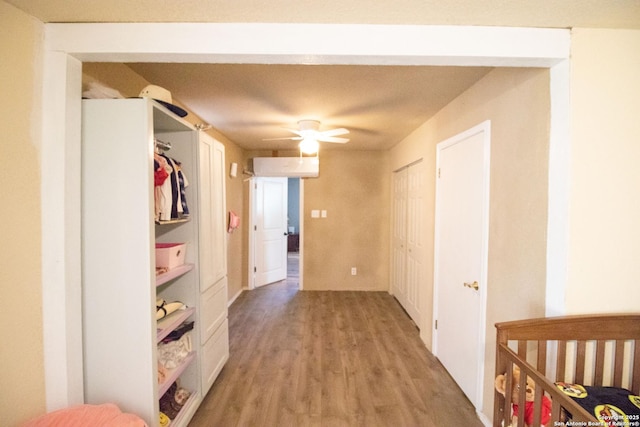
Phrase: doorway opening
(294,232)
(275,234)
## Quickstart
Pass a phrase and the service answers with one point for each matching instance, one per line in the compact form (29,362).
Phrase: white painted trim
(485,129)
(301,234)
(61,231)
(312,43)
(239,43)
(234,298)
(558,190)
(484,419)
(251,275)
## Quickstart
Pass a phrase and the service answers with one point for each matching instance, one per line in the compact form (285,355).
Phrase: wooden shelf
(174,374)
(173,221)
(168,323)
(163,278)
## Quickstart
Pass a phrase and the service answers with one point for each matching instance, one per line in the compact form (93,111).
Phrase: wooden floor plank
(314,358)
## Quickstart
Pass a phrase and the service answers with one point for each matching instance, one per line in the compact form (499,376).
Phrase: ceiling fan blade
(290,138)
(334,132)
(296,131)
(333,139)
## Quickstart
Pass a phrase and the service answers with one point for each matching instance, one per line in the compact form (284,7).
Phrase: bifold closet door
(408,238)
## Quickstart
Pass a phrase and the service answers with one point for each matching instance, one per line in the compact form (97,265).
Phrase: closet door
(220,212)
(415,241)
(213,248)
(207,212)
(408,238)
(214,332)
(399,250)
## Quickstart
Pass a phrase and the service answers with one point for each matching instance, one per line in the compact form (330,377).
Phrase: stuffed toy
(501,385)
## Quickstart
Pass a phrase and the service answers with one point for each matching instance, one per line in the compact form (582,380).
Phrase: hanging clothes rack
(162,145)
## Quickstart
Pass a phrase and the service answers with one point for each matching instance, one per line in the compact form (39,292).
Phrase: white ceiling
(511,13)
(248,103)
(380,105)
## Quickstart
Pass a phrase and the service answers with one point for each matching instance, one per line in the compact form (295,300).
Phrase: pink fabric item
(106,415)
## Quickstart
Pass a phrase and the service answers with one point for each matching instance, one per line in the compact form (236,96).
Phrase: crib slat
(599,373)
(635,382)
(561,361)
(580,356)
(542,357)
(619,364)
(508,393)
(555,411)
(522,390)
(522,349)
(537,406)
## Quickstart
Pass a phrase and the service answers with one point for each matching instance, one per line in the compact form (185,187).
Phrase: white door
(270,230)
(415,240)
(398,284)
(461,240)
(408,243)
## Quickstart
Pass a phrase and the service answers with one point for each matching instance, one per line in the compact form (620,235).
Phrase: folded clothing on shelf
(177,333)
(173,400)
(173,353)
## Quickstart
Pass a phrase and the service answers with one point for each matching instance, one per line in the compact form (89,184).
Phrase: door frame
(251,239)
(485,128)
(66,46)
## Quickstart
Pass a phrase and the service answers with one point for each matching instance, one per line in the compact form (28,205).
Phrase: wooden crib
(592,350)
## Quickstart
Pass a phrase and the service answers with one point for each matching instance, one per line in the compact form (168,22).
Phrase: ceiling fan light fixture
(309,146)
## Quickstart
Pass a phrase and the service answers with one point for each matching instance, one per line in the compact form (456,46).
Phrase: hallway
(321,358)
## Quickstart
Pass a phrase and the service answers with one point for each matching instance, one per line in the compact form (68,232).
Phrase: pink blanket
(106,415)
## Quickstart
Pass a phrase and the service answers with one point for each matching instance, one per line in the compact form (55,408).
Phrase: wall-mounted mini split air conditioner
(291,167)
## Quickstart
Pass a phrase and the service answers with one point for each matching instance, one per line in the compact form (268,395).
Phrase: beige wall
(353,188)
(517,103)
(21,357)
(129,84)
(604,231)
(604,249)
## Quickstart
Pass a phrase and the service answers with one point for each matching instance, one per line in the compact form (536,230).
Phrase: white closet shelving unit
(120,286)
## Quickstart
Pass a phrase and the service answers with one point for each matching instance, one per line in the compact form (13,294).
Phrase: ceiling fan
(309,133)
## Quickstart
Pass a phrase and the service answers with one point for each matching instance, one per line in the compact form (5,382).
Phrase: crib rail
(597,350)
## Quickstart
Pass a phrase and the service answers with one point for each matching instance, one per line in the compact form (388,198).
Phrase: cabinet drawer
(213,309)
(215,353)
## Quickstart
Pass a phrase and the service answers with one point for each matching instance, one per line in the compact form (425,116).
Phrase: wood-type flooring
(315,358)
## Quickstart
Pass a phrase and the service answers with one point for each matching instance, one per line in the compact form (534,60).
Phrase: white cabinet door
(214,335)
(213,249)
(215,353)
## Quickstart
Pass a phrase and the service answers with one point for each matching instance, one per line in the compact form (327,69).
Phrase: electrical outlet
(354,271)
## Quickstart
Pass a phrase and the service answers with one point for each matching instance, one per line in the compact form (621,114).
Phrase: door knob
(473,285)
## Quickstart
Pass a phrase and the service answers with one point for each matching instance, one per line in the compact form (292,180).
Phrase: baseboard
(483,418)
(234,298)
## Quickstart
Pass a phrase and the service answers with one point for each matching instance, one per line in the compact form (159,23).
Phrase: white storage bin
(170,255)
